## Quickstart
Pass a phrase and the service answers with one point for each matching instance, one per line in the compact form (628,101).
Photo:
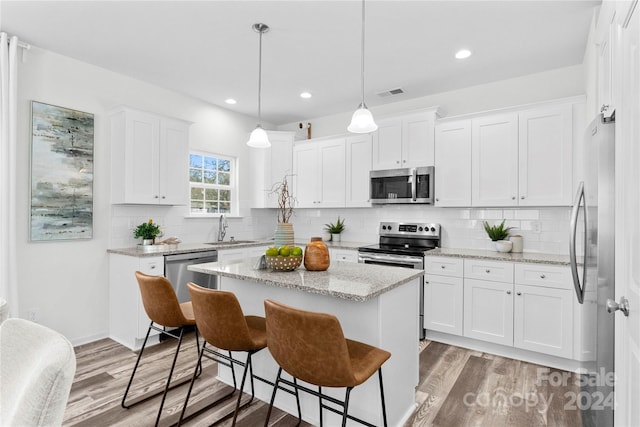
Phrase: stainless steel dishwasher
(175,269)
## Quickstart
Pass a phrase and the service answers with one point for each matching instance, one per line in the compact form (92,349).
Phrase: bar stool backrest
(160,301)
(220,318)
(308,345)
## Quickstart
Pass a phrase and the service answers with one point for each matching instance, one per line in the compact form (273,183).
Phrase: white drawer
(152,266)
(346,255)
(551,276)
(496,271)
(444,266)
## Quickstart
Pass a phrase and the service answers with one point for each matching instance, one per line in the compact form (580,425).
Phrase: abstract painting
(61,173)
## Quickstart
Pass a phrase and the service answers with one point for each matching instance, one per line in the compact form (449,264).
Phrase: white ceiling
(207,49)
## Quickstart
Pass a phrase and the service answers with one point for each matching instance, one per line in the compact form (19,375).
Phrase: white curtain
(8,144)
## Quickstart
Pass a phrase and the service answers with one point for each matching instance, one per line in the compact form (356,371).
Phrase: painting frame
(61,173)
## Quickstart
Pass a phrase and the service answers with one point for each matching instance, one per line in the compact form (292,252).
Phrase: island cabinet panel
(149,158)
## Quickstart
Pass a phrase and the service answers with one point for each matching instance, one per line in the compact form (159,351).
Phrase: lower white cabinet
(488,311)
(128,322)
(543,320)
(530,307)
(442,304)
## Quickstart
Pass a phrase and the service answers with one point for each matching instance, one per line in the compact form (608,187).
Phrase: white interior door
(627,337)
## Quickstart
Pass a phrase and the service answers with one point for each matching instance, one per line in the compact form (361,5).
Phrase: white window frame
(233,185)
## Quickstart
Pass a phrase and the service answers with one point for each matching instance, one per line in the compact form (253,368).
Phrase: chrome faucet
(222,227)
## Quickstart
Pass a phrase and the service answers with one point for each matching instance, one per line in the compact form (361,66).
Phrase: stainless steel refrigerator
(592,264)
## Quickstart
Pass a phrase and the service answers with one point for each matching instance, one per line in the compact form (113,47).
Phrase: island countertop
(346,280)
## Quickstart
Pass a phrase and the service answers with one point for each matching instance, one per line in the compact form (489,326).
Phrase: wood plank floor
(457,387)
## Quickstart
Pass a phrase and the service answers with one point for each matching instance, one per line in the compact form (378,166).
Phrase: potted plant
(335,229)
(286,201)
(148,231)
(497,232)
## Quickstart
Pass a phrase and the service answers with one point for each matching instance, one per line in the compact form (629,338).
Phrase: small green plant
(147,230)
(336,228)
(497,232)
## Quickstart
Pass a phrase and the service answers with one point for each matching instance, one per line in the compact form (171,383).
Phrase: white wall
(66,283)
(560,83)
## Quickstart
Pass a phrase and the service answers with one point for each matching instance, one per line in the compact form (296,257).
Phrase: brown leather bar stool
(162,306)
(311,347)
(224,326)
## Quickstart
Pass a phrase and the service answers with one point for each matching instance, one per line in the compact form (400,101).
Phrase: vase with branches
(286,202)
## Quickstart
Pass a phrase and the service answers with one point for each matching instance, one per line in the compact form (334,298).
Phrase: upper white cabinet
(269,166)
(453,163)
(320,173)
(359,153)
(405,141)
(545,156)
(494,160)
(524,158)
(149,158)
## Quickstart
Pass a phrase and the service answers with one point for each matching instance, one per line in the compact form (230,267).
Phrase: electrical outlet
(32,315)
(535,226)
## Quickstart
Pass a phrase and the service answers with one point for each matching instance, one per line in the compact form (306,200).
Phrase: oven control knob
(433,229)
(384,227)
(420,228)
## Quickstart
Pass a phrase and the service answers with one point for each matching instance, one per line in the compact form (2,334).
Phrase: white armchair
(37,366)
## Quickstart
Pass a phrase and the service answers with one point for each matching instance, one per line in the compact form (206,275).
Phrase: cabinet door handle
(426,282)
(513,197)
(488,271)
(542,276)
(155,197)
(164,197)
(397,161)
(522,197)
(519,293)
(152,267)
(442,267)
(508,292)
(437,200)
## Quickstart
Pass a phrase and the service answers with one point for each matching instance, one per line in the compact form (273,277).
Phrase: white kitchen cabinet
(453,163)
(494,160)
(443,294)
(405,141)
(543,320)
(359,154)
(543,313)
(149,158)
(319,173)
(545,150)
(488,311)
(346,255)
(128,322)
(269,166)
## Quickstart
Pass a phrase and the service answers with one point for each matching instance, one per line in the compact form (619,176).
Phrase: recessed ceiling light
(230,101)
(305,95)
(462,54)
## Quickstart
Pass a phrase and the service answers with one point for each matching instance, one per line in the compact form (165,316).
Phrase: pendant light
(259,138)
(362,120)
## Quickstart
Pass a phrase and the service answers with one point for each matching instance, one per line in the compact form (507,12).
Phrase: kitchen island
(375,304)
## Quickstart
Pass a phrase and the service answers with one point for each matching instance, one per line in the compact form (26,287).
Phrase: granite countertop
(183,248)
(346,280)
(528,257)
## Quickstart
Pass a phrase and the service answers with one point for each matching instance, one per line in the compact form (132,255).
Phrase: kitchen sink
(231,242)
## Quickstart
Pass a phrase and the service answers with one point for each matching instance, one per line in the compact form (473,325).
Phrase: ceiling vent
(390,92)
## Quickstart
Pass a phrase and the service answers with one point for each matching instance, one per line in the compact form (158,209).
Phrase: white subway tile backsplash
(526,214)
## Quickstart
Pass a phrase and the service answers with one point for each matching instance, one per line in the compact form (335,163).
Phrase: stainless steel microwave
(409,185)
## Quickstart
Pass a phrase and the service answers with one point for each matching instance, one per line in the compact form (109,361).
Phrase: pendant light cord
(362,59)
(260,78)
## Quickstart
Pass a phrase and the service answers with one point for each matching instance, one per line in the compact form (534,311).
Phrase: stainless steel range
(403,244)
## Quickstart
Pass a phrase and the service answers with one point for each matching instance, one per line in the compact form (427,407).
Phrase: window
(212,181)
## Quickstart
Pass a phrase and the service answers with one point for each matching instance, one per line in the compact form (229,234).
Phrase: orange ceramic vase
(316,255)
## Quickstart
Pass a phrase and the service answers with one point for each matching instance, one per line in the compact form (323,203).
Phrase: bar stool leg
(135,368)
(273,397)
(198,350)
(295,382)
(320,402)
(193,379)
(346,406)
(384,407)
(173,365)
(247,366)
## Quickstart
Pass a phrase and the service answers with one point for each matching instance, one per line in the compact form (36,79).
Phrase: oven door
(406,261)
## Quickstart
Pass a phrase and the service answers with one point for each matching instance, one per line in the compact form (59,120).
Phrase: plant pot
(503,245)
(335,237)
(284,234)
(146,242)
